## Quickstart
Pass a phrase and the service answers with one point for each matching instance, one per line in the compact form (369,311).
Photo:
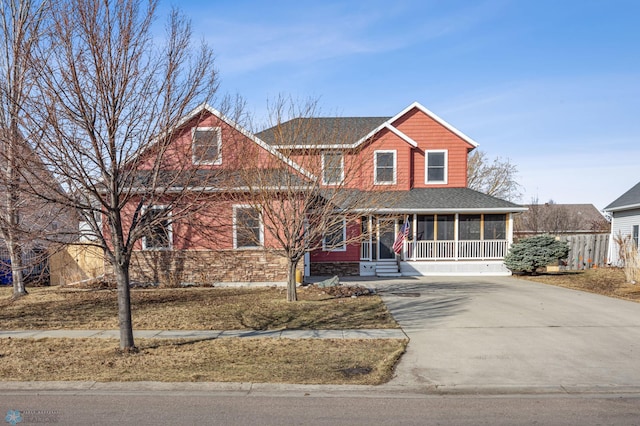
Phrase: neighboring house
(625,222)
(415,157)
(43,225)
(560,219)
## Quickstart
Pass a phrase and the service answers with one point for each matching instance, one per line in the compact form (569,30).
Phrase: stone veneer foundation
(193,267)
(341,269)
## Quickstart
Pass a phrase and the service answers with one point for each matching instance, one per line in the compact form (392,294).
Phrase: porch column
(455,236)
(414,228)
(371,248)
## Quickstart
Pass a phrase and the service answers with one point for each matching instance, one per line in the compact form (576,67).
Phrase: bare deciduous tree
(496,178)
(20,32)
(555,219)
(109,100)
(308,197)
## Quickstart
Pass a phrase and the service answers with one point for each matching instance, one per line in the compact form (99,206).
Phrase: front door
(386,237)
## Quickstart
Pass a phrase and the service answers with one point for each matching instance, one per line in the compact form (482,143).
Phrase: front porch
(444,250)
(426,250)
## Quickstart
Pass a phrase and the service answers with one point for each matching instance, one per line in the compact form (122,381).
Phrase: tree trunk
(15,255)
(292,295)
(124,307)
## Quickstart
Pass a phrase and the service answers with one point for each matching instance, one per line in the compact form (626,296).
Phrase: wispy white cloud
(303,34)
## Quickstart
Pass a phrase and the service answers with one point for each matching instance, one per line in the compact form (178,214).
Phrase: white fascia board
(436,118)
(621,208)
(214,189)
(445,211)
(402,136)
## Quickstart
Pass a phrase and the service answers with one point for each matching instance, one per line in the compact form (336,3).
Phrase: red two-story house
(422,160)
(416,157)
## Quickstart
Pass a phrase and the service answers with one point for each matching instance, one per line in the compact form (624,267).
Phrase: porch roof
(441,200)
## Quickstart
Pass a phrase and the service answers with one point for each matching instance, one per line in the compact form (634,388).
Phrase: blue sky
(554,86)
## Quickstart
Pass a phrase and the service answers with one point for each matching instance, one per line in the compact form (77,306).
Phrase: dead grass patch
(304,361)
(192,309)
(606,281)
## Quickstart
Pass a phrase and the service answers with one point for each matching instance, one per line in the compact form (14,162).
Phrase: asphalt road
(196,408)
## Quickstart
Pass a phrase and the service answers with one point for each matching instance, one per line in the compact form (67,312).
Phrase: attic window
(205,145)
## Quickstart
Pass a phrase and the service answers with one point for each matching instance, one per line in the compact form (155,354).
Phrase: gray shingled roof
(629,198)
(439,200)
(320,131)
(216,179)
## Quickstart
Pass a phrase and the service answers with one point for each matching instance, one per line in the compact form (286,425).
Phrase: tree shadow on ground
(421,304)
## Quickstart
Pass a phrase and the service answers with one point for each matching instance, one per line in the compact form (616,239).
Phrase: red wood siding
(431,135)
(351,254)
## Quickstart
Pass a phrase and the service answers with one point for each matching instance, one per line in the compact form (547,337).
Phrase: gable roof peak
(435,117)
(629,200)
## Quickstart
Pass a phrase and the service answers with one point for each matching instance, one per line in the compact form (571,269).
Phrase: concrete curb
(285,389)
(394,333)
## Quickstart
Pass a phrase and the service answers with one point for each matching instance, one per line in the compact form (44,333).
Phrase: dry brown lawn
(606,281)
(304,361)
(192,309)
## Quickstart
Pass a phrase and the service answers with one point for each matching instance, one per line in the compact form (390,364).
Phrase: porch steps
(387,269)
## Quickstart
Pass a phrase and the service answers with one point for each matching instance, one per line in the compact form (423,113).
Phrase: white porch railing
(434,250)
(447,250)
(365,250)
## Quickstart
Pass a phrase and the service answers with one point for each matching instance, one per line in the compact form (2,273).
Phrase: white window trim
(426,167)
(324,182)
(169,229)
(344,239)
(375,166)
(218,159)
(237,207)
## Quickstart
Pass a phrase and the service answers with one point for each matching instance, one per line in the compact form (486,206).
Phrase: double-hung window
(157,228)
(334,239)
(247,227)
(436,167)
(332,168)
(206,145)
(384,167)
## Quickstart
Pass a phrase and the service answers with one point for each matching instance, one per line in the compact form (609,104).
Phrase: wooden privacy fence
(586,251)
(76,262)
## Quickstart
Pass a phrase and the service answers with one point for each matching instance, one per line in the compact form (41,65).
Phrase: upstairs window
(385,167)
(157,232)
(205,145)
(332,168)
(247,227)
(436,167)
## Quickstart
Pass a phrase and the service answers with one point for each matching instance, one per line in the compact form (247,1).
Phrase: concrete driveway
(501,334)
